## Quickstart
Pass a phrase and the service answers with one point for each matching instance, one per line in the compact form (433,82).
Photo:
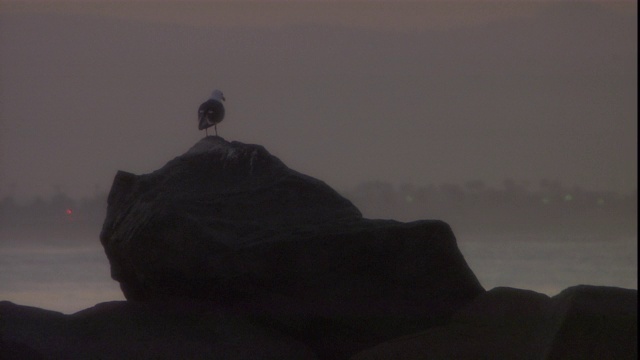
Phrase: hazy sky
(422,92)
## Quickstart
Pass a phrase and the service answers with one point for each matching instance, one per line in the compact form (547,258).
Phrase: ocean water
(61,278)
(72,277)
(551,265)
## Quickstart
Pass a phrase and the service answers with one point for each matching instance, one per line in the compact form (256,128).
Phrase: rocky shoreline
(227,253)
(583,322)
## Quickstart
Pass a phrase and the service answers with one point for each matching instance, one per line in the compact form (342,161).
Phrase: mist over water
(61,278)
(57,263)
(72,278)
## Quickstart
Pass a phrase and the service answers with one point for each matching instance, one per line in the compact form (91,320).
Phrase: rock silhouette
(227,253)
(133,330)
(582,322)
(230,223)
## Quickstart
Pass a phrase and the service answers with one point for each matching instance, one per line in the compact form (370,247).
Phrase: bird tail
(202,124)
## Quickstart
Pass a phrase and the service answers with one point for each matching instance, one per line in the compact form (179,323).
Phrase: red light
(69,211)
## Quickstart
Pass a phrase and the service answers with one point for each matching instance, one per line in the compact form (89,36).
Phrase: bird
(211,112)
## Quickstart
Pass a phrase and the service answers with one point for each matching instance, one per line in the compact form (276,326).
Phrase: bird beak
(223,99)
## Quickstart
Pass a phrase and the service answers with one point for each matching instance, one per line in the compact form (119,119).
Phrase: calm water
(551,266)
(72,278)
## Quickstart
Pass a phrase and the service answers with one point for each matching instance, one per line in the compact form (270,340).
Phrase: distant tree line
(470,207)
(513,207)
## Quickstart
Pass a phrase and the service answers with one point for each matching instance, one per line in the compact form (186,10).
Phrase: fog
(420,94)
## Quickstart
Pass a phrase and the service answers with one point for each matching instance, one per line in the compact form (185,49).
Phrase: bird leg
(215,127)
(206,133)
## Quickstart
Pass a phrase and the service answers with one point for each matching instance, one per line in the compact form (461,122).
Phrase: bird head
(217,95)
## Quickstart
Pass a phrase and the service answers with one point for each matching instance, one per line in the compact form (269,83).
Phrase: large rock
(594,322)
(582,322)
(128,330)
(230,223)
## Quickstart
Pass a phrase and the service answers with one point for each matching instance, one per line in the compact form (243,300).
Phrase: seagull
(211,112)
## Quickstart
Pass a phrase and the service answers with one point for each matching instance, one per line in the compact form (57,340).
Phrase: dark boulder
(230,223)
(226,253)
(582,322)
(129,330)
(594,322)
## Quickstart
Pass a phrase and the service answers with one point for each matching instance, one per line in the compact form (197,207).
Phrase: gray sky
(420,93)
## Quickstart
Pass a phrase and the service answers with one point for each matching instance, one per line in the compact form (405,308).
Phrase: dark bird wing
(210,113)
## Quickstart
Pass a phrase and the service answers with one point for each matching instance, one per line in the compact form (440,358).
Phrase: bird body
(211,112)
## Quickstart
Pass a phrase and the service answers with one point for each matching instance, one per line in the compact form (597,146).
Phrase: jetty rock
(136,330)
(226,253)
(582,322)
(231,224)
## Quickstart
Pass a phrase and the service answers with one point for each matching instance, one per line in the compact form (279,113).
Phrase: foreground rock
(230,223)
(126,330)
(225,253)
(582,322)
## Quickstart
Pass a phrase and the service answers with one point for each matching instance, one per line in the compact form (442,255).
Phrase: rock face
(128,330)
(582,322)
(225,253)
(230,223)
